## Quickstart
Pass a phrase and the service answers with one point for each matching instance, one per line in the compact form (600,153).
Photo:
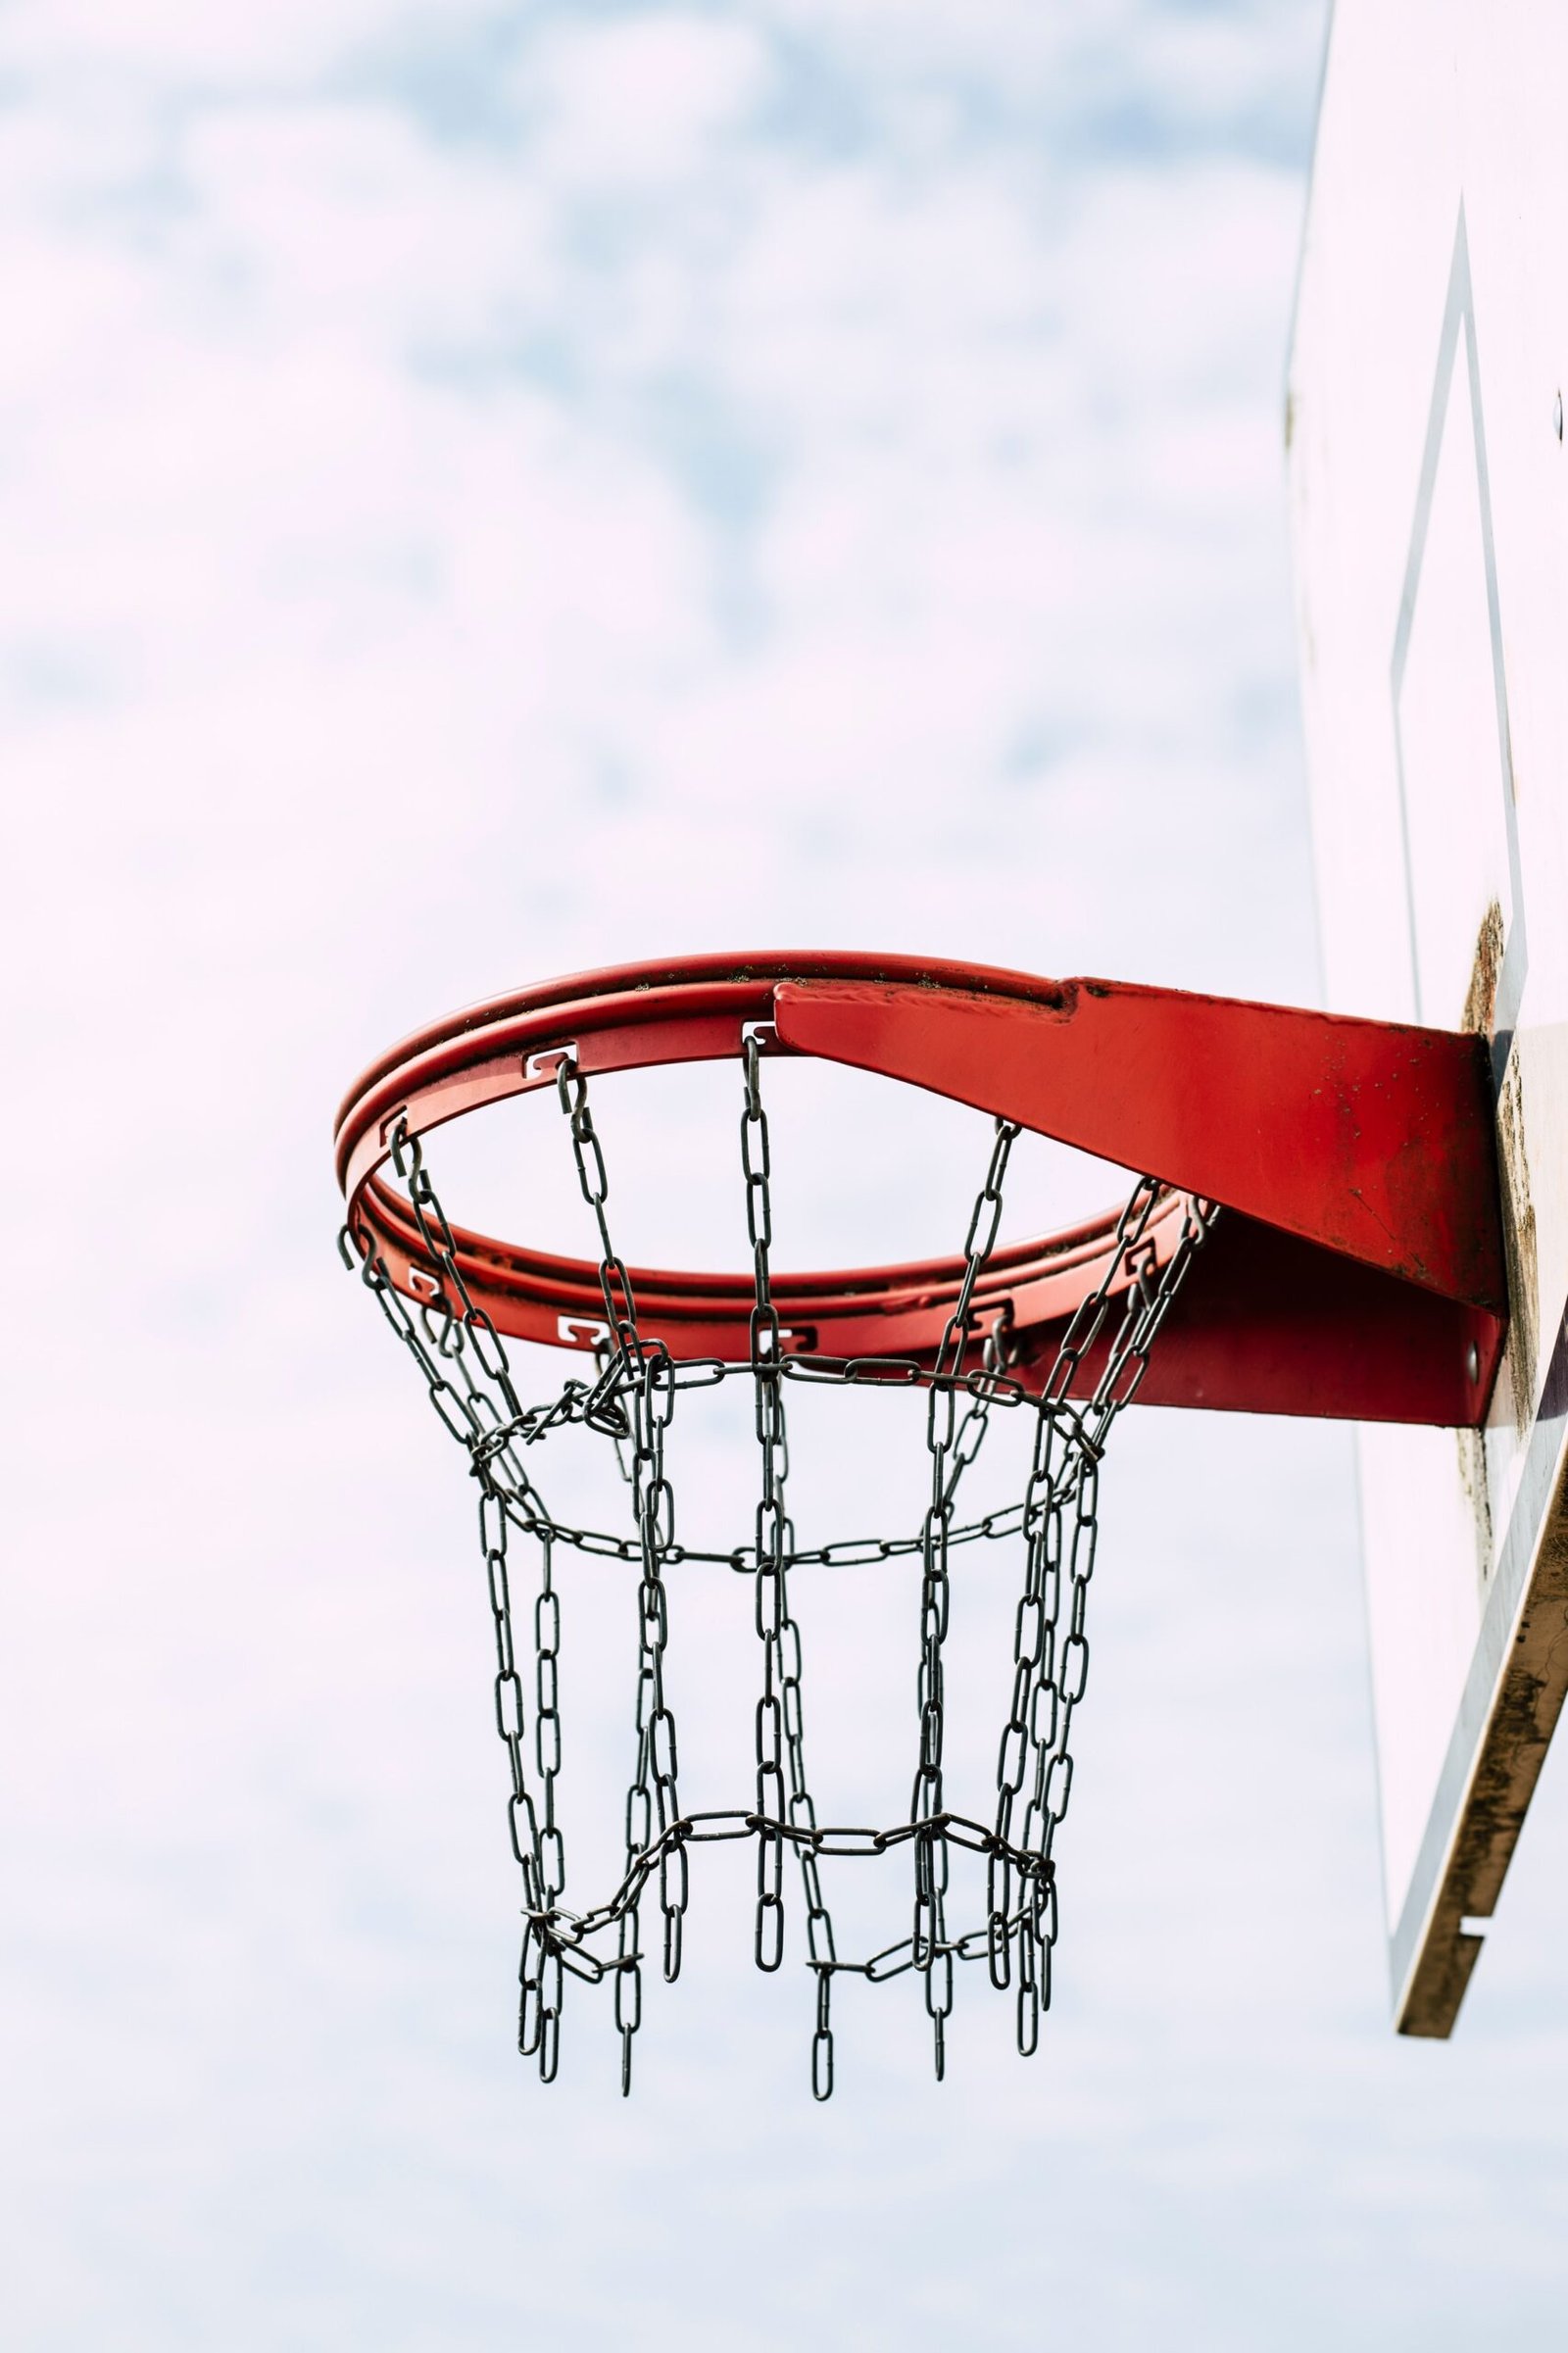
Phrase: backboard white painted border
(1459,324)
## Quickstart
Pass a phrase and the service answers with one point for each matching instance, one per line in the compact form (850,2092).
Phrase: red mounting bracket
(1358,1271)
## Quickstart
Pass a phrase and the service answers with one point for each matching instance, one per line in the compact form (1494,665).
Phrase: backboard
(1428,488)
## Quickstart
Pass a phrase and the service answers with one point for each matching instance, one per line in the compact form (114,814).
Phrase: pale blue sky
(491,490)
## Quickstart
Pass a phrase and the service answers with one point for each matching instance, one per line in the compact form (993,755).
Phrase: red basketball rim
(637,1016)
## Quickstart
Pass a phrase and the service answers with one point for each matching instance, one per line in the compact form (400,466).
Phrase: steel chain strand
(598,1409)
(454,1410)
(493,1454)
(547,1723)
(1036,1732)
(572,1931)
(543,1873)
(408,1160)
(438,1337)
(1047,1674)
(992,1385)
(646,1372)
(782,1789)
(848,1553)
(1148,1300)
(614,1284)
(931,1956)
(1051,1655)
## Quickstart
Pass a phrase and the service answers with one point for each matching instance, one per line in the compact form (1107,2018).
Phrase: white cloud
(157,45)
(639,104)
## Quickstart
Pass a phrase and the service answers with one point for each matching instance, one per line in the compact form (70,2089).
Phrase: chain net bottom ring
(465,1369)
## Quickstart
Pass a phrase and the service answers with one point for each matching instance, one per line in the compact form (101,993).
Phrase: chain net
(465,1369)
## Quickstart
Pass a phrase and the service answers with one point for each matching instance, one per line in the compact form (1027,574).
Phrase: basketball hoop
(1061,1330)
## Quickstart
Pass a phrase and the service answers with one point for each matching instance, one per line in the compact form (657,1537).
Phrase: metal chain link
(947,1462)
(442,1343)
(780,1730)
(1051,1652)
(468,1378)
(651,1800)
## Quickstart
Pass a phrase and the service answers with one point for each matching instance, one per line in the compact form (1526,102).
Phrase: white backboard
(1429,485)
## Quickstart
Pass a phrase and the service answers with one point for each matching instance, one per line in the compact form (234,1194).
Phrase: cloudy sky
(497,489)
